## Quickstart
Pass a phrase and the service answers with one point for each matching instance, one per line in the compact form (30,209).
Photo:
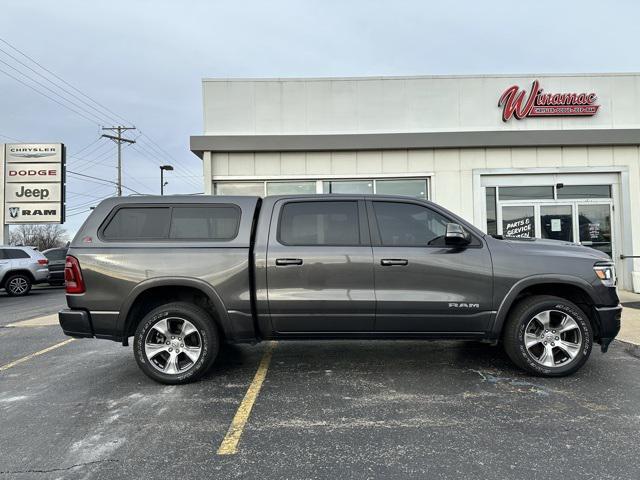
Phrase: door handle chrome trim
(283,262)
(389,262)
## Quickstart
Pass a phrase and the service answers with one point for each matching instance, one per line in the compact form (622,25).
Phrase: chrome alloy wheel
(553,338)
(18,285)
(173,345)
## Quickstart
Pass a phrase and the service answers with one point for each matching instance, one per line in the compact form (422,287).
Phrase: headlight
(606,272)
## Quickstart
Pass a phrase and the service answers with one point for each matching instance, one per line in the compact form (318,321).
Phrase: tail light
(43,261)
(73,276)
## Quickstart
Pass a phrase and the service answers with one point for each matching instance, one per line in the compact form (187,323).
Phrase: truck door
(421,284)
(320,266)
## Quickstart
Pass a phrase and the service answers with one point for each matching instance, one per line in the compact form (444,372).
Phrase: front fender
(521,285)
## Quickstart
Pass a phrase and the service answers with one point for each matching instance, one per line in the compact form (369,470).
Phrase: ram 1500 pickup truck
(182,274)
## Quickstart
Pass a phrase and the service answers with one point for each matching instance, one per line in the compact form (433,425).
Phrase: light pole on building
(162,182)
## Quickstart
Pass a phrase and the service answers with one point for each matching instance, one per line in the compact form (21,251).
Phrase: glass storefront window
(595,227)
(239,188)
(409,187)
(348,186)
(584,191)
(556,222)
(492,219)
(518,221)
(525,193)
(290,188)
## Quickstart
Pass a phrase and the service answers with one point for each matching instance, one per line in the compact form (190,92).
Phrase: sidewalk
(630,331)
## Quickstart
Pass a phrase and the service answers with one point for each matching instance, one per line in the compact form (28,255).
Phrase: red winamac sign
(515,103)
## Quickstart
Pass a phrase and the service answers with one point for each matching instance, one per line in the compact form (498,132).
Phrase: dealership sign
(537,103)
(34,183)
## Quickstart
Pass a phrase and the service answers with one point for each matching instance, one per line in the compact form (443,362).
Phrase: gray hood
(555,247)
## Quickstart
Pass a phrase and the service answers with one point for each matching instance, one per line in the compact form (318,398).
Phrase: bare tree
(40,236)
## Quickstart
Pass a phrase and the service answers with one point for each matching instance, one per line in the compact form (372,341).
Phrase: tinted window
(3,254)
(319,223)
(138,223)
(210,223)
(15,253)
(410,188)
(525,193)
(492,224)
(408,225)
(53,255)
(348,186)
(585,191)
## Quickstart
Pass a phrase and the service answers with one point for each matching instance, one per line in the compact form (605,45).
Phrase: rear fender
(206,288)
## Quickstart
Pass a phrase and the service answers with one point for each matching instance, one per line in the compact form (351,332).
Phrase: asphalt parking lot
(343,409)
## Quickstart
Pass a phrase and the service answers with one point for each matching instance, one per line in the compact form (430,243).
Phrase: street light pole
(162,183)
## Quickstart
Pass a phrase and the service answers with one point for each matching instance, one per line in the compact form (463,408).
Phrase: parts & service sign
(519,103)
(34,183)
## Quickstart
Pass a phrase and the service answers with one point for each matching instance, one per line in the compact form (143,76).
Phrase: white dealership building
(551,156)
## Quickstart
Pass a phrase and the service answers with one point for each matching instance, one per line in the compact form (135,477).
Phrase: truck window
(319,223)
(407,224)
(205,223)
(138,223)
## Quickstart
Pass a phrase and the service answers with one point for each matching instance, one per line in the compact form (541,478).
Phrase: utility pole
(119,139)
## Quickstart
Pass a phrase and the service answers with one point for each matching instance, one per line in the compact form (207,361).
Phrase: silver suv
(20,268)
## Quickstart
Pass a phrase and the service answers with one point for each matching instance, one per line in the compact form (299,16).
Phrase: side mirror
(456,236)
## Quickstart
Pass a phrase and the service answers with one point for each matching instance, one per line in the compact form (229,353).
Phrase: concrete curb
(630,347)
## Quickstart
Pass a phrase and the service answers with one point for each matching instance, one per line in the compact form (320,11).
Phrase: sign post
(33,184)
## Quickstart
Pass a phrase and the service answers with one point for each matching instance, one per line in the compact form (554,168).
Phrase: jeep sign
(32,192)
(34,183)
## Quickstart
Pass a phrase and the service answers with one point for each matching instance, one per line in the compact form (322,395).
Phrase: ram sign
(34,183)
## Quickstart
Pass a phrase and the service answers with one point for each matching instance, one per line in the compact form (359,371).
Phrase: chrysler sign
(538,103)
(34,183)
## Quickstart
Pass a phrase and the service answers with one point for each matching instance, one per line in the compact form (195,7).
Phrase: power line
(50,98)
(85,147)
(64,81)
(52,82)
(102,179)
(100,120)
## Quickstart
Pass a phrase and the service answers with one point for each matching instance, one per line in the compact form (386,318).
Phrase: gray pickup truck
(182,274)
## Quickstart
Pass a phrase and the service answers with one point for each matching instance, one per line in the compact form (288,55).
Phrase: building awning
(416,140)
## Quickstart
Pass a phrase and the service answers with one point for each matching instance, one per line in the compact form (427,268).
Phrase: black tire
(209,340)
(17,285)
(516,328)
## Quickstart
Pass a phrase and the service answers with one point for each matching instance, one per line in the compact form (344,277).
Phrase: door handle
(283,262)
(389,262)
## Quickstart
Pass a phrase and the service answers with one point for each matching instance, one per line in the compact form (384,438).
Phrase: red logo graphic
(515,103)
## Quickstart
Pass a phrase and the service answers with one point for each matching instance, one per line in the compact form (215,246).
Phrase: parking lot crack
(58,469)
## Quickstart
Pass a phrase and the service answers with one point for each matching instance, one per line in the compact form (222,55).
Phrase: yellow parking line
(47,320)
(32,355)
(229,445)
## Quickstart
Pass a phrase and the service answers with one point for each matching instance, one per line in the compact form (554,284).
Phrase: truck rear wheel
(176,343)
(548,336)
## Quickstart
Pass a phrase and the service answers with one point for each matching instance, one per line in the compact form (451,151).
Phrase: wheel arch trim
(531,281)
(207,289)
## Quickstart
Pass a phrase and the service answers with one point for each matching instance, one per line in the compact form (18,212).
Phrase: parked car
(182,274)
(56,257)
(20,268)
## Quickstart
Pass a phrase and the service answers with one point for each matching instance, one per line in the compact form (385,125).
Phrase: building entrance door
(586,222)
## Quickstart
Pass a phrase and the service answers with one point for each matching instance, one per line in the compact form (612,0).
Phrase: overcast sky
(144,61)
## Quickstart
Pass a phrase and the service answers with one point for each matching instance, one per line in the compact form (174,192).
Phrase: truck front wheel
(548,336)
(176,343)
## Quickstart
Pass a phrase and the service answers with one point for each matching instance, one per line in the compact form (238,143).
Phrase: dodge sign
(34,183)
